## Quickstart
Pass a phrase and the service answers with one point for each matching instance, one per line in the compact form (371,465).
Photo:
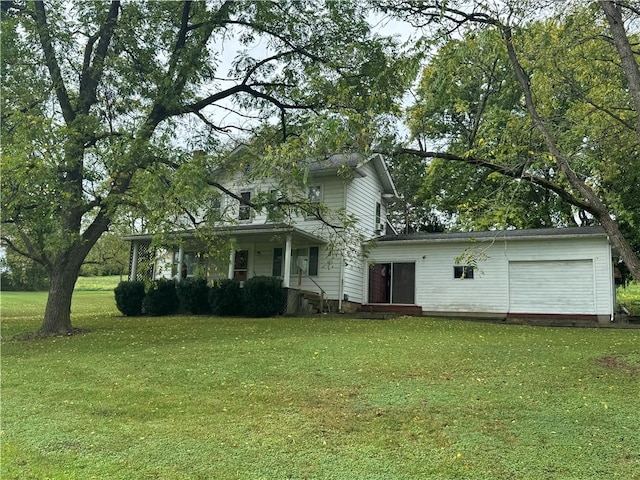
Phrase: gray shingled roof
(595,231)
(336,161)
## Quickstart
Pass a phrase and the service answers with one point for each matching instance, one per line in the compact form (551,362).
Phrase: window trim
(463,272)
(391,273)
(320,193)
(312,268)
(242,207)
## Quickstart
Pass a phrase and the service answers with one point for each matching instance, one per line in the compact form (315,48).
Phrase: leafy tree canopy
(101,101)
(527,115)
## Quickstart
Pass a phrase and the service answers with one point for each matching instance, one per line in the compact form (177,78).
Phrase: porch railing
(324,303)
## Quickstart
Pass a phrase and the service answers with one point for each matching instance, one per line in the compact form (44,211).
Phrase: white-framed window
(273,214)
(314,193)
(244,210)
(305,259)
(379,225)
(463,272)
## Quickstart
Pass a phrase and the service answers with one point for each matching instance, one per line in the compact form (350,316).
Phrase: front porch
(245,251)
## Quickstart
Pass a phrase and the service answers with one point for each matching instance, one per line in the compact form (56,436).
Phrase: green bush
(194,295)
(129,296)
(225,298)
(263,296)
(161,298)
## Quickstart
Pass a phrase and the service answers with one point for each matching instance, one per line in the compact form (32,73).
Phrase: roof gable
(333,163)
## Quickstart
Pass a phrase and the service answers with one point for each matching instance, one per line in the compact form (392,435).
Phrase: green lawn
(107,283)
(630,297)
(324,398)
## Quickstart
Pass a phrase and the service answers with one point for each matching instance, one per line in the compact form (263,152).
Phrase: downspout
(341,280)
(612,282)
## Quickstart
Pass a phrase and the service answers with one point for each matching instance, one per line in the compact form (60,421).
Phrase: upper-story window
(379,222)
(215,209)
(244,212)
(273,212)
(315,193)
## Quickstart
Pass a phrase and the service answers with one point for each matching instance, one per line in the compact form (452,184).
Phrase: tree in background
(109,256)
(98,98)
(549,106)
(467,94)
(20,273)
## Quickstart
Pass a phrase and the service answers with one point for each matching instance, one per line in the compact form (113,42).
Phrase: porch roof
(242,231)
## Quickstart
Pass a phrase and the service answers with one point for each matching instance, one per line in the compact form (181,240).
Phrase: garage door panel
(558,286)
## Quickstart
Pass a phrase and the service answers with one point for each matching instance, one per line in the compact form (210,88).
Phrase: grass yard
(107,283)
(324,398)
(629,296)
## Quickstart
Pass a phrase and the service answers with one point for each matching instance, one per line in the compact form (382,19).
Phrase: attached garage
(558,286)
(561,274)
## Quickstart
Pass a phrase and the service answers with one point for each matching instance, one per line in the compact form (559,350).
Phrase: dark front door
(241,265)
(380,283)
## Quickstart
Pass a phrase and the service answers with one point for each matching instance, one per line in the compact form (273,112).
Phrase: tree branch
(30,251)
(515,173)
(92,71)
(611,9)
(315,212)
(53,66)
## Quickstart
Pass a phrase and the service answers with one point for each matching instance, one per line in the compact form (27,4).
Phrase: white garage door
(560,287)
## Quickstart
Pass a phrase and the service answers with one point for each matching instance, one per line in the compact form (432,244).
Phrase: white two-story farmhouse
(564,274)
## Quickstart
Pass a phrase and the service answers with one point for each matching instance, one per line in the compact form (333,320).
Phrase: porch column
(232,261)
(287,263)
(180,262)
(133,273)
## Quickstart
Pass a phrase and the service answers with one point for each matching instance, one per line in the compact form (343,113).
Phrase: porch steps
(394,310)
(310,302)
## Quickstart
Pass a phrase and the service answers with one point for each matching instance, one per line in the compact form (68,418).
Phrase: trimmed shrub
(263,296)
(129,296)
(194,295)
(161,298)
(225,298)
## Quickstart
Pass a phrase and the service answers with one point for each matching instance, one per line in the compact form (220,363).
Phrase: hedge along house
(560,274)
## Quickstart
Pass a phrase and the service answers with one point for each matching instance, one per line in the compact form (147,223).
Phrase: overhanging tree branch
(308,209)
(515,173)
(612,10)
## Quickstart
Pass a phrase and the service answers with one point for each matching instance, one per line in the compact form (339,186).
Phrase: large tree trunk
(57,314)
(63,276)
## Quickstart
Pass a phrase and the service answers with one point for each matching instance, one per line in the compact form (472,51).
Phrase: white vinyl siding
(328,277)
(362,195)
(586,281)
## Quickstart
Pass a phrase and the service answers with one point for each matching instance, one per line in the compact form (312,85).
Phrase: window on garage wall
(463,271)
